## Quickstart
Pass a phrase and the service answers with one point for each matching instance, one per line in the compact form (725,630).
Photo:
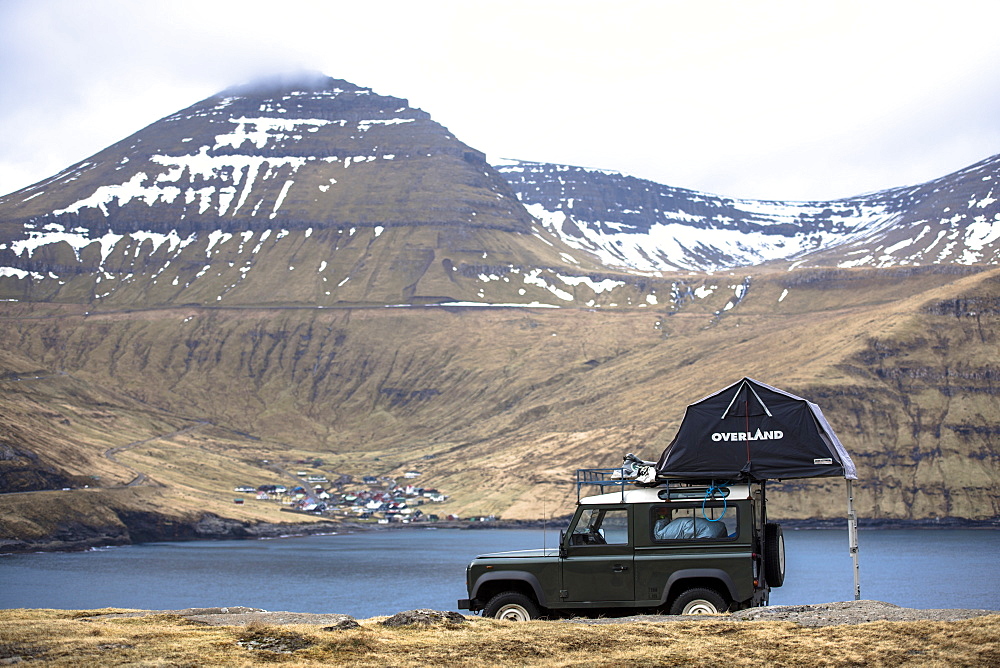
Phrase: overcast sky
(770,100)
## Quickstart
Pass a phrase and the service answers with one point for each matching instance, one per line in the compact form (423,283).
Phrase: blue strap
(711,494)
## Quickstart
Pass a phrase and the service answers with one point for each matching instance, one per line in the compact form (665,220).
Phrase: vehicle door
(597,565)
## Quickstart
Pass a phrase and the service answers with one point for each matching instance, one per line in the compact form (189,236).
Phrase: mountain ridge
(640,225)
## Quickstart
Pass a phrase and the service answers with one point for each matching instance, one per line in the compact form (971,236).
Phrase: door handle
(619,568)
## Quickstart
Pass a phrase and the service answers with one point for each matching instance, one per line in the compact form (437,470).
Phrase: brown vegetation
(68,638)
(497,407)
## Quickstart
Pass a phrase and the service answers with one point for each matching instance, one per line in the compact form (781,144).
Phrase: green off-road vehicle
(675,546)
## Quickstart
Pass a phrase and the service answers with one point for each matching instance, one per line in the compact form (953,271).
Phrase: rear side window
(713,521)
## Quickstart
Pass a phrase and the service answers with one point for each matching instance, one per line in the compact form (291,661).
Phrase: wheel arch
(490,584)
(711,578)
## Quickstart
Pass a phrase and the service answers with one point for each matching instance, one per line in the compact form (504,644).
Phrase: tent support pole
(852,536)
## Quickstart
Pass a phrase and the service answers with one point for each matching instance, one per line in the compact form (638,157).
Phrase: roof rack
(602,479)
(633,471)
(675,488)
(616,477)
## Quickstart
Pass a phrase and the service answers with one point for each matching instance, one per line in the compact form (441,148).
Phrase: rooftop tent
(752,430)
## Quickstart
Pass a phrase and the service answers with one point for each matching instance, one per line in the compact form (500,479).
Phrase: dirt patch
(238,616)
(854,612)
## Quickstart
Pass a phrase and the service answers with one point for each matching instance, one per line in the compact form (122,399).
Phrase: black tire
(774,554)
(512,606)
(699,601)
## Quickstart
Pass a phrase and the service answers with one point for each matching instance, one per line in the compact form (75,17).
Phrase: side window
(615,527)
(714,521)
(601,526)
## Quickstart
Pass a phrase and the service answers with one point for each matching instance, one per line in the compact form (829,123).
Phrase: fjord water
(383,572)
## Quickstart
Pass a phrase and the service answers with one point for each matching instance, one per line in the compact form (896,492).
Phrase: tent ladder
(852,536)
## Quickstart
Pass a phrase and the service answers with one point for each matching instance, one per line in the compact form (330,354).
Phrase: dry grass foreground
(82,638)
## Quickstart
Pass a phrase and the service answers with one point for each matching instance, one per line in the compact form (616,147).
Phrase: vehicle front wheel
(698,601)
(512,606)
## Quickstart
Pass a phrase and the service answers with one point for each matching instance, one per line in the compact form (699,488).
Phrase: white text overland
(747,436)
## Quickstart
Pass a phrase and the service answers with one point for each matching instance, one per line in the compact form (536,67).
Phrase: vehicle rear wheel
(512,606)
(774,554)
(698,601)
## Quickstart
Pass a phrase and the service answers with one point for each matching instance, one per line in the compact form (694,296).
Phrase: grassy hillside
(497,407)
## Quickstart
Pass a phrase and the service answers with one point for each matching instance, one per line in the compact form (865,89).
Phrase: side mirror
(562,544)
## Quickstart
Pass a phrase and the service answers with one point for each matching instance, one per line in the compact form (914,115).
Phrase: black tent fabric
(751,430)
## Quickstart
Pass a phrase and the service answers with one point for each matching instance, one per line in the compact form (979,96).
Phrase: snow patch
(366,125)
(281,198)
(703,291)
(981,233)
(534,278)
(598,287)
(264,130)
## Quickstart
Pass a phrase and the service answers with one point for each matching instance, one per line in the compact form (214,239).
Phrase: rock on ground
(423,617)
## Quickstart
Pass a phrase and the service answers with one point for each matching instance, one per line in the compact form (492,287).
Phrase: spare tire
(774,554)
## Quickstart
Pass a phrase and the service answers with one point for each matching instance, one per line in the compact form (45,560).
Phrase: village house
(382,497)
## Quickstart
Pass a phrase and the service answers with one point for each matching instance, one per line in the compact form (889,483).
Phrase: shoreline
(212,527)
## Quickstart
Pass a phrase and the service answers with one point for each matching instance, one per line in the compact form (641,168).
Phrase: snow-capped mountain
(367,198)
(644,226)
(316,191)
(312,150)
